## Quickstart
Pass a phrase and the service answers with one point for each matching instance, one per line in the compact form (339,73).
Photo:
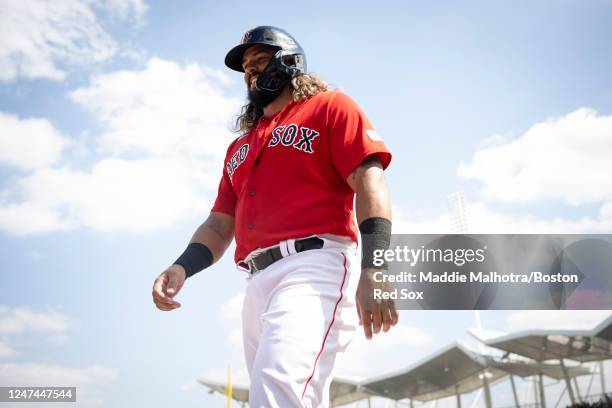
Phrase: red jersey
(286,178)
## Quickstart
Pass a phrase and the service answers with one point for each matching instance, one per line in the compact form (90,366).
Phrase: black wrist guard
(375,236)
(195,258)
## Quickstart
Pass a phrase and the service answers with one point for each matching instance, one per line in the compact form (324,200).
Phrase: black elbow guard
(375,236)
(195,258)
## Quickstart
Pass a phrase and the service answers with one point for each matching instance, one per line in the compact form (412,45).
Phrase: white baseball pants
(298,314)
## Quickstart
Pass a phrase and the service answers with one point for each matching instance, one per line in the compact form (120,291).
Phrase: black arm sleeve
(375,235)
(196,258)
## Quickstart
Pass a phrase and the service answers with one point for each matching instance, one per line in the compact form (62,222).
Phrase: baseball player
(306,157)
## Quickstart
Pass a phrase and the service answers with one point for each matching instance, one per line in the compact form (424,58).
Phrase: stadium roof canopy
(543,345)
(604,330)
(451,370)
(456,370)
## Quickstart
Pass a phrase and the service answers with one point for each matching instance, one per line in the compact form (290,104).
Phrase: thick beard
(260,98)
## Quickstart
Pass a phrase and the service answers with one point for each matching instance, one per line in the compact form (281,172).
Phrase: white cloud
(40,39)
(555,319)
(28,144)
(410,222)
(163,110)
(31,218)
(232,308)
(566,159)
(495,140)
(125,9)
(481,219)
(40,374)
(20,320)
(231,311)
(16,322)
(383,353)
(88,380)
(6,351)
(118,194)
(165,132)
(234,337)
(190,386)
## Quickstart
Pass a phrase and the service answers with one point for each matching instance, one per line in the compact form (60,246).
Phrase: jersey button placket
(261,136)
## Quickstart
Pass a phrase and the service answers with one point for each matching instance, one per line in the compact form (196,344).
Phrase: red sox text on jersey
(286,178)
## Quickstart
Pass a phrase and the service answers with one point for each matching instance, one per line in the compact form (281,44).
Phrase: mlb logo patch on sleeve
(373,135)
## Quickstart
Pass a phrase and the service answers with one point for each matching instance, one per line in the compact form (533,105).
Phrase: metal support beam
(602,377)
(458,394)
(577,389)
(560,397)
(568,384)
(487,390)
(591,378)
(516,400)
(541,387)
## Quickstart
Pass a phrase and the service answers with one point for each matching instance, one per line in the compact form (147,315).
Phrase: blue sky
(114,120)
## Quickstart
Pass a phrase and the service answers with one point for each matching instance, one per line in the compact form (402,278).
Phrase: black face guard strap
(375,235)
(196,258)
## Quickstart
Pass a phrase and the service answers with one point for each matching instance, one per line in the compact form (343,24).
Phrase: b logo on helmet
(246,37)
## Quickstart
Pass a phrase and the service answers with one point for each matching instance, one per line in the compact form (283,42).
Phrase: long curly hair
(303,87)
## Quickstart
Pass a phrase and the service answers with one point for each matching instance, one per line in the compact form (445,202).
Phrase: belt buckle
(253,269)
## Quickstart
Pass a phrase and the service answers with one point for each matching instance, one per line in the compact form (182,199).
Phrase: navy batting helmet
(290,54)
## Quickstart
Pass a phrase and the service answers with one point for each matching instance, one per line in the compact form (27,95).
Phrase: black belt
(264,259)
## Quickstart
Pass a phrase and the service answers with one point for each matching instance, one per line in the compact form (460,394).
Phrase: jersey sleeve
(226,197)
(351,136)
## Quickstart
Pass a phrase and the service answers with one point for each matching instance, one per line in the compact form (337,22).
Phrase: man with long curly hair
(305,159)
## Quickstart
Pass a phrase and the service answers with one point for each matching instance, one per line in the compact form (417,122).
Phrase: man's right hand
(166,286)
(374,315)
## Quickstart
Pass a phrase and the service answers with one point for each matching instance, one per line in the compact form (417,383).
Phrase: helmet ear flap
(299,62)
(293,63)
(288,60)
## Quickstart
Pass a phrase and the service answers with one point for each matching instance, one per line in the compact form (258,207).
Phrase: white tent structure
(561,345)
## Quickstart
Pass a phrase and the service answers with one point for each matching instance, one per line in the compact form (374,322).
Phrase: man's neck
(279,103)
